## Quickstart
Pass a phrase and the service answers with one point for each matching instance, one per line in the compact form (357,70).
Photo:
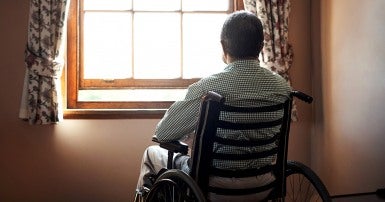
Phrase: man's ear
(224,54)
(223,47)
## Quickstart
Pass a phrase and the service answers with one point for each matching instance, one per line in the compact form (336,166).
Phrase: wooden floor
(372,197)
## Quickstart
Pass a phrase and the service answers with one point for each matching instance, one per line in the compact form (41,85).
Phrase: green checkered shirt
(242,83)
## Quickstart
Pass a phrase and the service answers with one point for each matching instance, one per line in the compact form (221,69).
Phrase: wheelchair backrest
(222,127)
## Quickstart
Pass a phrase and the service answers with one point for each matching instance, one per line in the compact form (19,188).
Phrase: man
(242,81)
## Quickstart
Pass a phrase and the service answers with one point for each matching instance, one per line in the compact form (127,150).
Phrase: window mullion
(182,40)
(132,40)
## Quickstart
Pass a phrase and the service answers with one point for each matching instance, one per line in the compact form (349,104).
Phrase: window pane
(205,5)
(157,45)
(157,5)
(107,57)
(107,5)
(202,50)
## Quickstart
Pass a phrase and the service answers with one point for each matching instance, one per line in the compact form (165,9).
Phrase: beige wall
(97,160)
(348,143)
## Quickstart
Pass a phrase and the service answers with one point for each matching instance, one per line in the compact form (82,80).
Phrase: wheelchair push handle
(302,96)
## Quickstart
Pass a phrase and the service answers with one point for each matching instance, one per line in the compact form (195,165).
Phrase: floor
(369,197)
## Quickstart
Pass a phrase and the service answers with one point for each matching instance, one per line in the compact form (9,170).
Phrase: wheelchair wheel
(302,184)
(175,185)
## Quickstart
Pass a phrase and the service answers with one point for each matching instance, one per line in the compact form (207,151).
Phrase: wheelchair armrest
(174,146)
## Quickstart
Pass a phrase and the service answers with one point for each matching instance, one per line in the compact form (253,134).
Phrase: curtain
(41,97)
(277,53)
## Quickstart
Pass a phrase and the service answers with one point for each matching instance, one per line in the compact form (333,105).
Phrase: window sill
(113,114)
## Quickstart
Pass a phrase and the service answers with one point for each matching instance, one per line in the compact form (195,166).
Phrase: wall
(96,160)
(300,73)
(348,143)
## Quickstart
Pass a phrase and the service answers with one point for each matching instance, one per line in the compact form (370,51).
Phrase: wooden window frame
(75,109)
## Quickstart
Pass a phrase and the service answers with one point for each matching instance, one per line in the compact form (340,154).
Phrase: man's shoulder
(214,78)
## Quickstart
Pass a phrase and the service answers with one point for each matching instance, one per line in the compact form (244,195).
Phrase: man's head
(242,36)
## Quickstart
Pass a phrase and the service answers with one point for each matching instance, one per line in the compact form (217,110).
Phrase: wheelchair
(293,181)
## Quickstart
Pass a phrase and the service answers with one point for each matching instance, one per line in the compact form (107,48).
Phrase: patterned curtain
(41,98)
(277,53)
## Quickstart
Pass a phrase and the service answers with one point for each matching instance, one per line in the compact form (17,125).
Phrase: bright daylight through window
(141,54)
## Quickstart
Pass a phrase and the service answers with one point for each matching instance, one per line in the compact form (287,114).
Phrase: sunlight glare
(157,45)
(107,57)
(202,52)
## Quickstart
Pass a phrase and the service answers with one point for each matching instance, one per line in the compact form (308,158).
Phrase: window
(140,55)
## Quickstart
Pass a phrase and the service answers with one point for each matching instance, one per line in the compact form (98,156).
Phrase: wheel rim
(299,188)
(174,186)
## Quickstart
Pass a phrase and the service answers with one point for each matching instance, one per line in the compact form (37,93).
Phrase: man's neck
(231,59)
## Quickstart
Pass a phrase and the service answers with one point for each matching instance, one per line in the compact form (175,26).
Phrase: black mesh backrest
(207,139)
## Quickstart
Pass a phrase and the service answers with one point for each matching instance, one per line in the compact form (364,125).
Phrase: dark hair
(242,35)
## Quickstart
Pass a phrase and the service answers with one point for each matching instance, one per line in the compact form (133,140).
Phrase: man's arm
(181,118)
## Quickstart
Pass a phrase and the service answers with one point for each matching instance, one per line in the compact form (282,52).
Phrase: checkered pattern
(242,83)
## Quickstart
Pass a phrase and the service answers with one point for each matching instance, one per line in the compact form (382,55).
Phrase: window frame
(72,83)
